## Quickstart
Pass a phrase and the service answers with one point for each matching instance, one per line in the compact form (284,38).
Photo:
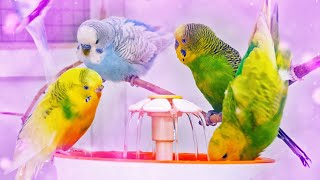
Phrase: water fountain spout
(164,111)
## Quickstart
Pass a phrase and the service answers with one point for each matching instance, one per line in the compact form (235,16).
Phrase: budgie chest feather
(212,78)
(83,116)
(114,68)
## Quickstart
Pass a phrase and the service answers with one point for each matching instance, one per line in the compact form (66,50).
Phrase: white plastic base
(164,151)
(68,169)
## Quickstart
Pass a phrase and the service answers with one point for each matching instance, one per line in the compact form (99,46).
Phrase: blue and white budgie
(120,49)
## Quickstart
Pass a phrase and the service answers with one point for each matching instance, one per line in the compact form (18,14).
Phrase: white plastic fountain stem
(164,112)
(163,135)
(162,128)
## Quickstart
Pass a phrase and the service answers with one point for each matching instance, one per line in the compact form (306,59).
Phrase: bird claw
(208,119)
(295,148)
(131,79)
(305,160)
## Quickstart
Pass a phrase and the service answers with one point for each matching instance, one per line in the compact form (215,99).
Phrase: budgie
(214,64)
(254,100)
(120,49)
(29,15)
(59,120)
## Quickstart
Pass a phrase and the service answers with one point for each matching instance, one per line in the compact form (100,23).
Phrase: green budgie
(214,64)
(254,100)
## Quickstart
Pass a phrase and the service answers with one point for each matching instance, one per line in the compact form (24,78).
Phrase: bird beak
(99,90)
(85,49)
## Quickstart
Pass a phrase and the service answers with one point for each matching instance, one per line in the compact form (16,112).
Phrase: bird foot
(212,118)
(131,79)
(295,148)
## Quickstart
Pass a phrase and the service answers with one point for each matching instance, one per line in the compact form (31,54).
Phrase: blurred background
(22,74)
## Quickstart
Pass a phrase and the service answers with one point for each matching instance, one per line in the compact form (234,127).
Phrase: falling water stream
(38,33)
(139,124)
(125,144)
(194,135)
(175,135)
(199,116)
(174,117)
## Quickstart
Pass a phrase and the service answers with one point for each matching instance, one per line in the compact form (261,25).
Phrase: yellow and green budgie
(214,64)
(255,99)
(59,120)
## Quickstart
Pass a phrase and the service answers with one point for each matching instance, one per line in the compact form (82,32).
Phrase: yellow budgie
(60,119)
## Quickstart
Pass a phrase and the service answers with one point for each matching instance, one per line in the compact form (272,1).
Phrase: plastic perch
(164,112)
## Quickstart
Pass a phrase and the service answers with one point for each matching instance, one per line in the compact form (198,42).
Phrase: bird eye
(184,40)
(97,41)
(183,52)
(225,156)
(86,87)
(176,44)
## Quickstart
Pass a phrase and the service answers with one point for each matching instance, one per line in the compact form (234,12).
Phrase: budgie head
(192,41)
(226,143)
(94,37)
(82,86)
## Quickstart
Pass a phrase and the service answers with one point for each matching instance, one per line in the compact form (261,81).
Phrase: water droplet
(316,95)
(306,56)
(5,163)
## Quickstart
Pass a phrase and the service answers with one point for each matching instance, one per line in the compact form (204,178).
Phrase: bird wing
(256,96)
(139,43)
(36,135)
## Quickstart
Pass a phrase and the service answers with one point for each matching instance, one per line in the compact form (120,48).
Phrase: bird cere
(248,94)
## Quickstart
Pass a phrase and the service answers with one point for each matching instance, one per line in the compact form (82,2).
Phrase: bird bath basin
(164,162)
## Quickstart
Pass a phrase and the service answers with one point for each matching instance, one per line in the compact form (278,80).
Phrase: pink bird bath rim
(148,157)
